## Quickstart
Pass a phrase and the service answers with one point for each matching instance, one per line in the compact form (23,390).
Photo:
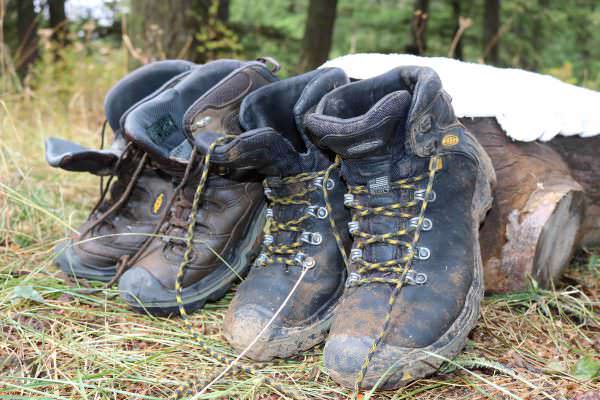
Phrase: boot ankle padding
(282,105)
(138,84)
(156,126)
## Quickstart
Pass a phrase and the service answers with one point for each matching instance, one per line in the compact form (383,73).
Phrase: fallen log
(539,216)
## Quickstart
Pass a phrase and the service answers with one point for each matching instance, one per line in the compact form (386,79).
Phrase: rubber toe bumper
(72,264)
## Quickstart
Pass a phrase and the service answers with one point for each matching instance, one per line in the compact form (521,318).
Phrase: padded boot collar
(428,117)
(156,126)
(138,84)
(283,105)
(217,110)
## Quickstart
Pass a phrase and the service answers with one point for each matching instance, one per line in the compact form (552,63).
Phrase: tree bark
(539,213)
(58,20)
(491,31)
(318,33)
(418,45)
(27,26)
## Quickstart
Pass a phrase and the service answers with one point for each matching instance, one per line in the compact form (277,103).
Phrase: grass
(59,340)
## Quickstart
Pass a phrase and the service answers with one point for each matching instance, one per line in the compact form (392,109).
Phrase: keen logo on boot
(158,203)
(120,222)
(222,212)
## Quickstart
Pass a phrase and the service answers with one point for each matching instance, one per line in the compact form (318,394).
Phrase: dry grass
(72,344)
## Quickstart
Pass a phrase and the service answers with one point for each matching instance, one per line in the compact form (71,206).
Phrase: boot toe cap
(72,263)
(389,368)
(343,357)
(243,325)
(140,288)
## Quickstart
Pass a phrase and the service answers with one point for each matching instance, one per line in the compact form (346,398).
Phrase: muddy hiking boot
(132,200)
(298,234)
(227,225)
(418,187)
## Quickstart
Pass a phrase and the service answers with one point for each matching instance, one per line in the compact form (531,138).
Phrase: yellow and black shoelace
(396,272)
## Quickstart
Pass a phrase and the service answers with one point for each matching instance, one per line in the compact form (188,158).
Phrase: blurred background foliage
(49,39)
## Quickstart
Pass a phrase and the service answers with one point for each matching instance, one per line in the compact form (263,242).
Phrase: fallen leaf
(586,368)
(25,293)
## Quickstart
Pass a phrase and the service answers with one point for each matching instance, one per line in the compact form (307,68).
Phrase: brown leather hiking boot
(227,226)
(418,187)
(133,198)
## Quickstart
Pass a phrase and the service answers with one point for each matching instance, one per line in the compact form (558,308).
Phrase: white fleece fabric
(527,105)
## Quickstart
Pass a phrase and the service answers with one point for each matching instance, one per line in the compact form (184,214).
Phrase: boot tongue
(372,144)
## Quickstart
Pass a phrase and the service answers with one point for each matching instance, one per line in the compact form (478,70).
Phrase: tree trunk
(223,10)
(456,14)
(318,33)
(58,20)
(539,211)
(27,51)
(491,31)
(418,28)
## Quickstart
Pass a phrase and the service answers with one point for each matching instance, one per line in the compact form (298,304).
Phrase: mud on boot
(226,227)
(131,202)
(298,236)
(419,186)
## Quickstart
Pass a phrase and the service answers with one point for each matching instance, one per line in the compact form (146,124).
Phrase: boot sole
(71,264)
(214,286)
(409,364)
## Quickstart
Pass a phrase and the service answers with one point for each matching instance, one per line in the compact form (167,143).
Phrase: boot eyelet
(422,253)
(322,213)
(356,254)
(415,278)
(202,122)
(309,263)
(268,240)
(317,212)
(420,195)
(348,199)
(352,226)
(269,213)
(352,278)
(260,260)
(268,191)
(426,225)
(314,238)
(299,258)
(318,182)
(330,184)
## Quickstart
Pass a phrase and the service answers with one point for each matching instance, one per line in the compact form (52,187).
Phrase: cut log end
(533,227)
(558,238)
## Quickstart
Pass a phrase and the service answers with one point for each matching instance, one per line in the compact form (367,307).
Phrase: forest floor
(60,340)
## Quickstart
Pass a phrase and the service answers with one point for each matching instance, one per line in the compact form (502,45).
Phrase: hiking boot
(131,202)
(418,187)
(299,240)
(227,224)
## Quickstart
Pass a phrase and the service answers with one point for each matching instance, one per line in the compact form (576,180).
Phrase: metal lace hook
(270,62)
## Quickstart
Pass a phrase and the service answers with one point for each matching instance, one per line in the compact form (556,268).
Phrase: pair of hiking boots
(368,212)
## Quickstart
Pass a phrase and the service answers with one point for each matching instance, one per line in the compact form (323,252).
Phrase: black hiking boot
(418,187)
(298,236)
(227,224)
(131,202)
